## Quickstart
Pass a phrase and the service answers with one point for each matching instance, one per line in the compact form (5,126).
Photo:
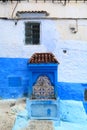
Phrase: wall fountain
(43,100)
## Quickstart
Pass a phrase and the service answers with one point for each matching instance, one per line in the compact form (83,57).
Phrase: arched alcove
(43,88)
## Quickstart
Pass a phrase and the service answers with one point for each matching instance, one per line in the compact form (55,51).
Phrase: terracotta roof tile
(43,58)
(40,12)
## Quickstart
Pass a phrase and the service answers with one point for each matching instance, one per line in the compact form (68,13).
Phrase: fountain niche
(43,100)
(43,89)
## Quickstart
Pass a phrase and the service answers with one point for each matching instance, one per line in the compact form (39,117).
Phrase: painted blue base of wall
(71,91)
(14,78)
(14,81)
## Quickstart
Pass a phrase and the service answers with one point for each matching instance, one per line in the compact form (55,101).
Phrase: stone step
(40,125)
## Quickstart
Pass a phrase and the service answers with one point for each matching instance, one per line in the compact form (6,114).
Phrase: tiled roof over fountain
(43,58)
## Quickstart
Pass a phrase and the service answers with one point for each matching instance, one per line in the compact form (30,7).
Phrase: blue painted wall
(71,91)
(14,81)
(14,77)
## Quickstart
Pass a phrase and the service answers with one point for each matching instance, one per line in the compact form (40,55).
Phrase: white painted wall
(57,10)
(55,37)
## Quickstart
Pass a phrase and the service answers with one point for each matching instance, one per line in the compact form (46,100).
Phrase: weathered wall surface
(14,79)
(56,36)
(57,9)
